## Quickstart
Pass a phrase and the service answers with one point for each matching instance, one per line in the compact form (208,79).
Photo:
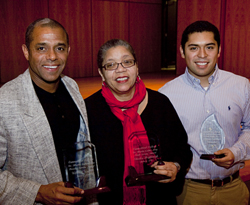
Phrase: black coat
(159,119)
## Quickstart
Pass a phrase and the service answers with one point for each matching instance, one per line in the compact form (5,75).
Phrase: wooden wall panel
(147,1)
(75,16)
(145,35)
(113,0)
(89,23)
(189,12)
(237,37)
(15,16)
(109,20)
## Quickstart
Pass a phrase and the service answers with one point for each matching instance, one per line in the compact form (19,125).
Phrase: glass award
(81,168)
(142,155)
(212,138)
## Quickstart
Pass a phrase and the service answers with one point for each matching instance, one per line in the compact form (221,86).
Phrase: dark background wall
(92,22)
(89,23)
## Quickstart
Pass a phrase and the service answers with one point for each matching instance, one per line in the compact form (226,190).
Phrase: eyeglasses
(114,65)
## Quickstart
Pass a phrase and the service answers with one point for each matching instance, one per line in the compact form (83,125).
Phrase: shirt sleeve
(241,149)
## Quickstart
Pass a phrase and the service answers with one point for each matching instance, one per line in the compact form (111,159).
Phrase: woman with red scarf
(135,127)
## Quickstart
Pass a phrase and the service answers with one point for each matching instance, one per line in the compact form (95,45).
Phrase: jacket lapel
(39,131)
(77,98)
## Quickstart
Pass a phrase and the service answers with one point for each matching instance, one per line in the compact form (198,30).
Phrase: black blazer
(159,119)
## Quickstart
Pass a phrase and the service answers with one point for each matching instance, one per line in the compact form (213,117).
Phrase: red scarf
(134,138)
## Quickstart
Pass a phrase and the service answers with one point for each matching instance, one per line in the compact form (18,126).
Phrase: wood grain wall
(92,22)
(89,24)
(237,37)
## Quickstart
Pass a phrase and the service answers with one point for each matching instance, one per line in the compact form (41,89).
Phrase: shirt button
(207,111)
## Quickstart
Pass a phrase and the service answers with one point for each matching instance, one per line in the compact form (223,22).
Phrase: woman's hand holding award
(142,155)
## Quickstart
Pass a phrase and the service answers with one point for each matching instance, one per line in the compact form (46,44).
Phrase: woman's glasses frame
(114,65)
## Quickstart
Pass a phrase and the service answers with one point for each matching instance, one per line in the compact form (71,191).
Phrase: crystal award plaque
(81,168)
(142,155)
(212,138)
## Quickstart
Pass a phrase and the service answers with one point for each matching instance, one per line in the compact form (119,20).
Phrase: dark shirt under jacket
(63,117)
(159,119)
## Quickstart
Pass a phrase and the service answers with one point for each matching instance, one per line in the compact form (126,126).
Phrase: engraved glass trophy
(81,168)
(212,138)
(142,155)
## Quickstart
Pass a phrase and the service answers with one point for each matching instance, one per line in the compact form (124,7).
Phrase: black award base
(135,179)
(211,156)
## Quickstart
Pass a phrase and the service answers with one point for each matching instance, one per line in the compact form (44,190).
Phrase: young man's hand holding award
(212,138)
